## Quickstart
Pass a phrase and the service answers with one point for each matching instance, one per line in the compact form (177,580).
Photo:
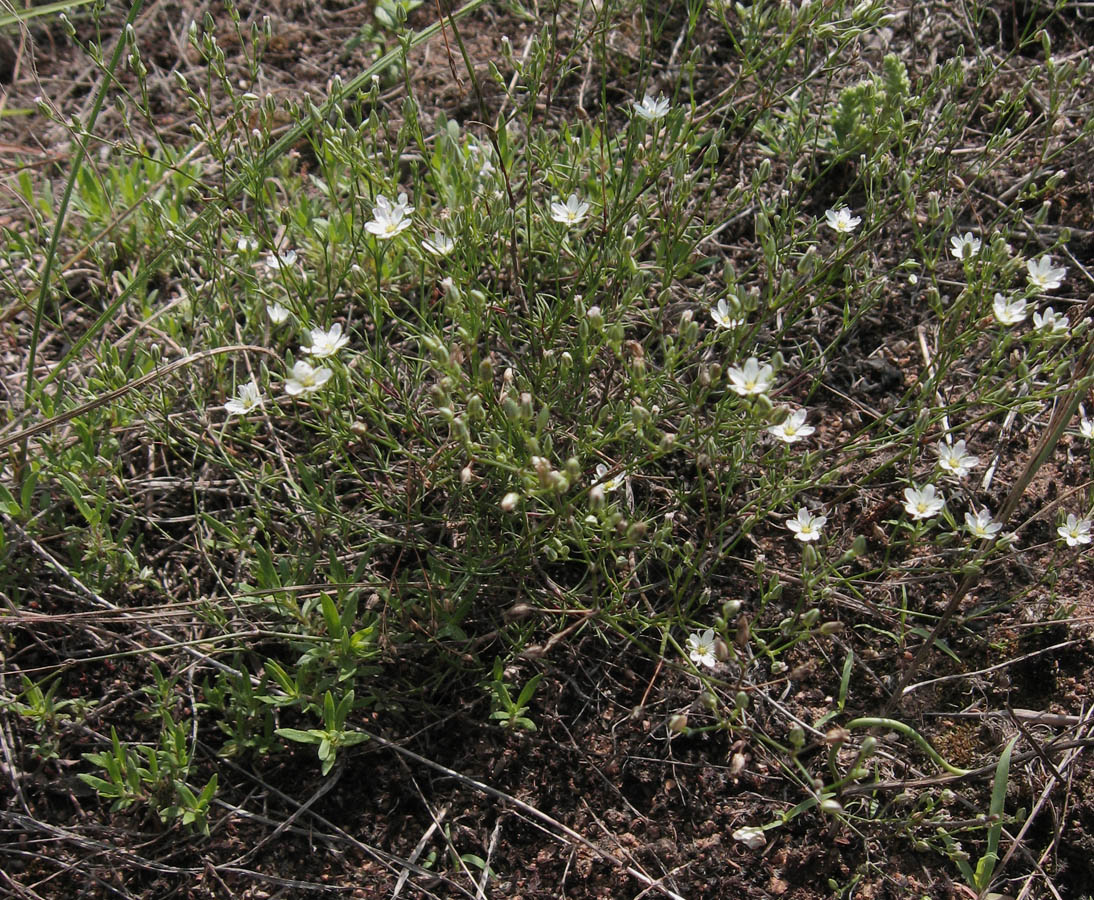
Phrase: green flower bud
(678,724)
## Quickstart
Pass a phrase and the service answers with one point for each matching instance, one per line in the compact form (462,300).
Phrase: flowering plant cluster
(304,378)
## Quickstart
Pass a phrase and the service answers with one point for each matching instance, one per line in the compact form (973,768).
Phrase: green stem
(908,732)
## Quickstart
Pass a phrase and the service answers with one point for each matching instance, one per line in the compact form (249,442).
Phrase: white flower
(701,649)
(1086,428)
(440,244)
(277,262)
(752,378)
(247,243)
(1075,530)
(1009,312)
(841,220)
(277,313)
(723,316)
(792,428)
(306,379)
(1043,276)
(608,484)
(806,526)
(509,501)
(389,219)
(651,110)
(924,502)
(964,246)
(982,525)
(954,460)
(248,396)
(325,343)
(751,836)
(571,212)
(1050,321)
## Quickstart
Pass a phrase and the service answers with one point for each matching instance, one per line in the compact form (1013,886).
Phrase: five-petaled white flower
(792,428)
(306,379)
(608,484)
(1075,530)
(651,110)
(277,313)
(440,244)
(924,502)
(1086,428)
(964,246)
(1044,276)
(724,317)
(806,526)
(701,649)
(247,243)
(325,343)
(277,262)
(571,212)
(1050,321)
(982,525)
(389,219)
(752,378)
(841,220)
(1009,311)
(248,396)
(954,460)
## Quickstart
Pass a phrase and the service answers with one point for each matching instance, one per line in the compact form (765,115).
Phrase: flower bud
(751,837)
(509,501)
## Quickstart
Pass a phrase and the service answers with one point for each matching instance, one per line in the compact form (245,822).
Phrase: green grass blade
(47,9)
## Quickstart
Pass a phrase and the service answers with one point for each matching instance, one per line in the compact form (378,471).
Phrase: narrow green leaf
(295,734)
(845,678)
